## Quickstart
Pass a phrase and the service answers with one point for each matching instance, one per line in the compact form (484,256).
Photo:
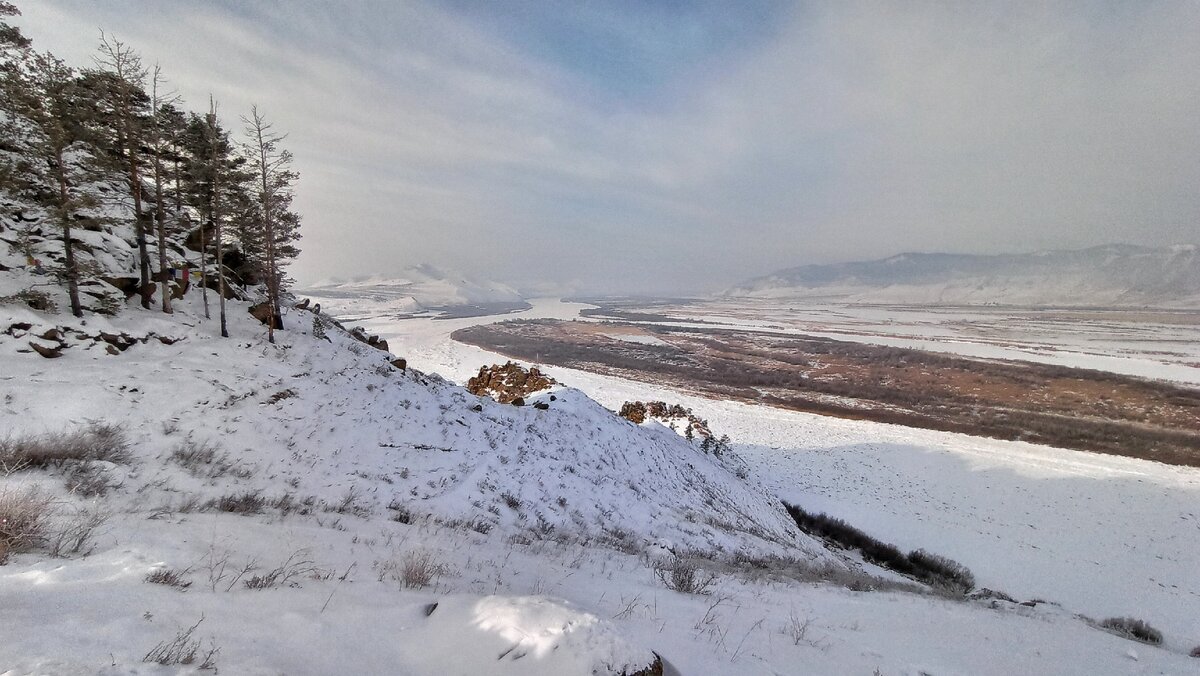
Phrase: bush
(169,577)
(285,574)
(420,569)
(89,479)
(1134,629)
(206,460)
(96,441)
(24,521)
(250,502)
(183,649)
(932,569)
(685,578)
(942,572)
(74,534)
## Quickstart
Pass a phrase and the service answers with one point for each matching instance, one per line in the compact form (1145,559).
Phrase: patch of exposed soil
(1041,403)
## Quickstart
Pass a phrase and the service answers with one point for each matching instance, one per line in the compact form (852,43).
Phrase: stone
(401,364)
(541,405)
(47,352)
(262,312)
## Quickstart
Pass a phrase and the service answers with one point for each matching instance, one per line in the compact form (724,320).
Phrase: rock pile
(509,384)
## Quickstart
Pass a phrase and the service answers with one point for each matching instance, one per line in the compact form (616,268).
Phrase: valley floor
(1103,535)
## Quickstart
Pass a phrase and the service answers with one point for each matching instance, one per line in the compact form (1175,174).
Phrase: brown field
(1040,403)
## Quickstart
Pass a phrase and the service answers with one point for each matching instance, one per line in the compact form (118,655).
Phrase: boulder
(401,364)
(262,312)
(508,382)
(126,285)
(47,351)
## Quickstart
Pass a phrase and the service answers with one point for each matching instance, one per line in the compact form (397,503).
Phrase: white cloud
(850,131)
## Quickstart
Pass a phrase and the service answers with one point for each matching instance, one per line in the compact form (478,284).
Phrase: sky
(671,147)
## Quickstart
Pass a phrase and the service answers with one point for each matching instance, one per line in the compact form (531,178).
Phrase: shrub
(511,500)
(96,441)
(941,571)
(420,568)
(169,577)
(24,521)
(75,533)
(284,574)
(183,649)
(249,502)
(1134,629)
(932,569)
(685,578)
(206,460)
(89,479)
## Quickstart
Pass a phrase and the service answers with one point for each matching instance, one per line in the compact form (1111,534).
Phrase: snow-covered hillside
(416,290)
(318,501)
(1112,275)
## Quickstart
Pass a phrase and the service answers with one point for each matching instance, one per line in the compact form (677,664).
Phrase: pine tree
(161,132)
(122,78)
(44,100)
(277,225)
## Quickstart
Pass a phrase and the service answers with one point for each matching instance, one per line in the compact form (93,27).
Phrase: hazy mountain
(1110,275)
(414,290)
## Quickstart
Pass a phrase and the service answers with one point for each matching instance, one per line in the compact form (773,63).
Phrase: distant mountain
(1111,275)
(415,290)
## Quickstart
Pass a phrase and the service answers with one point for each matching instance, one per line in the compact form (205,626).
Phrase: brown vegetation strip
(1040,403)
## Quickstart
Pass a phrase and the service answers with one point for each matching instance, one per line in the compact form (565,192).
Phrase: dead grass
(169,577)
(183,649)
(206,460)
(25,517)
(247,502)
(96,441)
(684,577)
(1133,629)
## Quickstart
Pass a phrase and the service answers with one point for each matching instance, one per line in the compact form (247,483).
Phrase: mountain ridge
(1111,274)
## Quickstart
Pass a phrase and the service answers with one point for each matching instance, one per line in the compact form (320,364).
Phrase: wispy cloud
(684,147)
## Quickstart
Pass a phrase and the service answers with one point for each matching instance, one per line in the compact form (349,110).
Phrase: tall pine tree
(277,225)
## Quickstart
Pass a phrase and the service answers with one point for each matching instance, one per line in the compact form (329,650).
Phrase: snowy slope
(386,466)
(1112,275)
(415,290)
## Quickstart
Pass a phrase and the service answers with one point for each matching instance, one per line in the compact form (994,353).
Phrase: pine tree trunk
(203,275)
(68,246)
(269,240)
(139,218)
(215,211)
(161,216)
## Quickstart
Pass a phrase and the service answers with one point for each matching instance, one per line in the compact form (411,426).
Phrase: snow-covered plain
(1103,535)
(1161,344)
(525,583)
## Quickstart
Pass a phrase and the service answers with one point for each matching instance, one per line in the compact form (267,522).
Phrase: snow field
(542,588)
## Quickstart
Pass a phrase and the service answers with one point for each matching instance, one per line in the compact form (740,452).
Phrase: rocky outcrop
(670,415)
(508,383)
(51,342)
(262,312)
